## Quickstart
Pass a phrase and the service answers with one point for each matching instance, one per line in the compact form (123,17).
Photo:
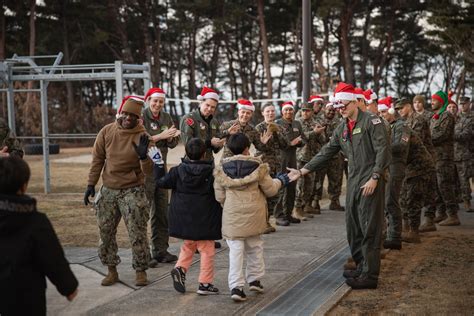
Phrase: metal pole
(306,10)
(147,77)
(10,102)
(44,130)
(119,81)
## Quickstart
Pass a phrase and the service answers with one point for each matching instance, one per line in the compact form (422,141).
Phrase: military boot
(111,277)
(467,206)
(336,206)
(405,226)
(350,264)
(452,220)
(269,229)
(306,212)
(141,279)
(316,207)
(298,213)
(309,209)
(428,226)
(412,236)
(440,216)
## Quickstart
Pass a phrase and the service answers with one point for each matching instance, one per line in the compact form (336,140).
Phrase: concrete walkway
(290,254)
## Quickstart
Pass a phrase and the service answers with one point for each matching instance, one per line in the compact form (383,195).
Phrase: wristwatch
(375,176)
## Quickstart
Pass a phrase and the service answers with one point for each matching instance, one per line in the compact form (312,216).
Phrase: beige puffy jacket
(242,184)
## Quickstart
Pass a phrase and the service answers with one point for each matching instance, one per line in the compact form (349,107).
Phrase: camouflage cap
(401,103)
(306,107)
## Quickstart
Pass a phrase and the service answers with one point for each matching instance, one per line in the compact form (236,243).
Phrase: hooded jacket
(194,212)
(30,251)
(242,184)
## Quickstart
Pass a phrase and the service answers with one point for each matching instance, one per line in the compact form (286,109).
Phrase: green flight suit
(158,198)
(368,152)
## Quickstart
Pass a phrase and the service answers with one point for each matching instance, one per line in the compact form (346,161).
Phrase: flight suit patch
(376,121)
(356,131)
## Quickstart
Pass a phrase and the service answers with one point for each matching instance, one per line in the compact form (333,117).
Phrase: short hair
(237,143)
(266,105)
(15,173)
(195,148)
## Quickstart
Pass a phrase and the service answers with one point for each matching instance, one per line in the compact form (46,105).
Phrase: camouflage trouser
(445,198)
(272,201)
(317,193)
(431,191)
(286,196)
(334,171)
(304,188)
(131,204)
(392,205)
(158,199)
(462,168)
(412,198)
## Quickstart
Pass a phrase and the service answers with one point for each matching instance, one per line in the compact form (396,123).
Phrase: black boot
(392,244)
(361,283)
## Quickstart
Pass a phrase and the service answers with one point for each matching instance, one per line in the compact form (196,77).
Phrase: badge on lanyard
(356,131)
(154,126)
(296,129)
(203,127)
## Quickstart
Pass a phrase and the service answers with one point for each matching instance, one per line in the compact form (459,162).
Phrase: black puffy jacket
(194,212)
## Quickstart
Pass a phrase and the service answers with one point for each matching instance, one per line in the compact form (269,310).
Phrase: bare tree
(265,51)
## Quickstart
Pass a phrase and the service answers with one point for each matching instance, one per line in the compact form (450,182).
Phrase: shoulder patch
(189,121)
(376,121)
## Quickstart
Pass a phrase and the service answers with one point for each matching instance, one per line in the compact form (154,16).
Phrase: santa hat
(288,104)
(208,93)
(450,98)
(155,93)
(315,98)
(131,104)
(243,104)
(329,105)
(359,93)
(343,92)
(369,95)
(386,104)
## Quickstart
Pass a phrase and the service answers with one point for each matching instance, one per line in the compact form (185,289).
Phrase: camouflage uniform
(194,125)
(286,198)
(158,198)
(463,147)
(7,138)
(248,130)
(442,135)
(271,154)
(305,185)
(131,204)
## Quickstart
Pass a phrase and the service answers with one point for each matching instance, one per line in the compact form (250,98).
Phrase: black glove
(142,147)
(90,191)
(158,171)
(283,177)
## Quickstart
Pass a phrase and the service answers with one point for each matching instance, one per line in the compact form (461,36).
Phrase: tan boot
(350,264)
(405,226)
(141,279)
(428,226)
(452,220)
(412,236)
(306,211)
(336,206)
(316,207)
(269,229)
(298,213)
(467,206)
(440,216)
(111,278)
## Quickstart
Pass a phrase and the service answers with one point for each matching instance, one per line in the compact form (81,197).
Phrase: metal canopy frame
(25,68)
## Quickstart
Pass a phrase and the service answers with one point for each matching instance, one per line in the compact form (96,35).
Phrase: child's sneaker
(256,286)
(208,289)
(179,278)
(238,295)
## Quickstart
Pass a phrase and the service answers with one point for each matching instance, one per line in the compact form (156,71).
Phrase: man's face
(348,109)
(208,107)
(372,107)
(436,104)
(269,113)
(387,116)
(329,112)
(156,104)
(306,114)
(317,106)
(405,110)
(418,106)
(287,113)
(244,115)
(128,120)
(452,108)
(465,106)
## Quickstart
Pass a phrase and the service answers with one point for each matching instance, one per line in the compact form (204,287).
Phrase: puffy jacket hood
(14,211)
(195,174)
(240,170)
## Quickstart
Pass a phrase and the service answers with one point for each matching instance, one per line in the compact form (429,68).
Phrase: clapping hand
(4,152)
(296,141)
(318,129)
(217,142)
(265,136)
(234,129)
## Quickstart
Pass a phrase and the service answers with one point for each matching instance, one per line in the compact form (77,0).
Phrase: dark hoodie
(194,212)
(30,250)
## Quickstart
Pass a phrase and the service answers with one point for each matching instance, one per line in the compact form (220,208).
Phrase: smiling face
(208,107)
(349,109)
(156,104)
(418,106)
(244,116)
(329,112)
(287,113)
(128,120)
(269,113)
(452,108)
(306,114)
(405,111)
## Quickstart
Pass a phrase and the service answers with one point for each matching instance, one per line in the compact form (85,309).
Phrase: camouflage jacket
(248,130)
(291,130)
(271,153)
(314,141)
(419,160)
(464,137)
(331,125)
(442,135)
(421,127)
(157,125)
(7,138)
(400,136)
(194,125)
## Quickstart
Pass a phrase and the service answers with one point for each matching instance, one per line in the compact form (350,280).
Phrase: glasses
(339,106)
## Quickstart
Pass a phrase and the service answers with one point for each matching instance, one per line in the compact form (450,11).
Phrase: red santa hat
(315,98)
(369,95)
(131,104)
(155,93)
(208,93)
(243,104)
(359,93)
(288,104)
(386,104)
(343,92)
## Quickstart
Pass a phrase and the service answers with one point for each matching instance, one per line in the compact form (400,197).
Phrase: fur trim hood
(256,170)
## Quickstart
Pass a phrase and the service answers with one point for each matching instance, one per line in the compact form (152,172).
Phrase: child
(194,216)
(242,184)
(30,248)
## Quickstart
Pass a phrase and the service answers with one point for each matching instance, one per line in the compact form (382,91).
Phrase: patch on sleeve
(376,121)
(190,121)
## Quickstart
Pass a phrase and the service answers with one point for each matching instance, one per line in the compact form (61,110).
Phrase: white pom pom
(391,111)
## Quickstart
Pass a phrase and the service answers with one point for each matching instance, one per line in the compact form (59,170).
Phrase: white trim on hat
(246,107)
(382,107)
(360,96)
(315,100)
(209,95)
(288,105)
(157,95)
(346,96)
(373,96)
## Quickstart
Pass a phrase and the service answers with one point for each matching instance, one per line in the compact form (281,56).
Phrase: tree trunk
(297,51)
(346,16)
(283,64)
(191,59)
(365,49)
(31,96)
(2,31)
(265,51)
(67,61)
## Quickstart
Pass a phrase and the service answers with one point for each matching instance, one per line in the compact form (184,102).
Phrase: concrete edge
(330,303)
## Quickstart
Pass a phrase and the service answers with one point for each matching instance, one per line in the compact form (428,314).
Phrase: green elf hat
(443,98)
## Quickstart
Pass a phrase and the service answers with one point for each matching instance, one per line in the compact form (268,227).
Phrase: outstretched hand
(142,147)
(293,174)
